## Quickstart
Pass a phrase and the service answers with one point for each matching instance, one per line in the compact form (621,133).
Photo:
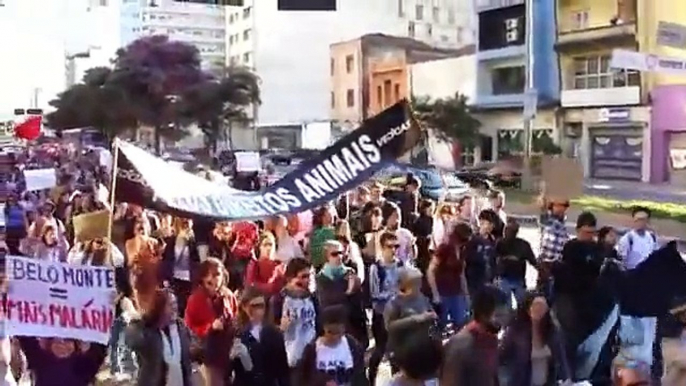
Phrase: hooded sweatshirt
(301,306)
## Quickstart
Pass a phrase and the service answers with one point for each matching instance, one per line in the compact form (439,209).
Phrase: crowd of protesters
(322,298)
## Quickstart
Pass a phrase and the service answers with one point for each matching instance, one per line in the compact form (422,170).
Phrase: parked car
(436,184)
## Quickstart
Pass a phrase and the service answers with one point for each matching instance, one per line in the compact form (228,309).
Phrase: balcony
(488,5)
(501,53)
(498,101)
(616,96)
(619,34)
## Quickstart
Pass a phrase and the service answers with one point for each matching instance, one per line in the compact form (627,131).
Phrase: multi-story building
(202,25)
(371,73)
(290,50)
(621,123)
(501,75)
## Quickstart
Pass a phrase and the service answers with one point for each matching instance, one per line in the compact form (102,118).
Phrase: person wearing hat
(673,330)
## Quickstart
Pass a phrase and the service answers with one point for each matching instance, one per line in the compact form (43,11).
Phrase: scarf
(171,354)
(333,272)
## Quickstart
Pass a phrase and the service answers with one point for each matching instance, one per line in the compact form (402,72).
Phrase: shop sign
(614,115)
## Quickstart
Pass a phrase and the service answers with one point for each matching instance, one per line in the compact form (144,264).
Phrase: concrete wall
(443,78)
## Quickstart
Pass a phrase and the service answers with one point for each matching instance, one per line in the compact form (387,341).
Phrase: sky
(34,35)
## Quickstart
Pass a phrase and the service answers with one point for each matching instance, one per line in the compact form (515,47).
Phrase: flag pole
(113,187)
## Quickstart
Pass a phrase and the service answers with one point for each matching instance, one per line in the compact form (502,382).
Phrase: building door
(616,156)
(677,159)
(486,144)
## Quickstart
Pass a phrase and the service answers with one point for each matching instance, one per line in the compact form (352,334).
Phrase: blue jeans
(121,356)
(454,308)
(514,287)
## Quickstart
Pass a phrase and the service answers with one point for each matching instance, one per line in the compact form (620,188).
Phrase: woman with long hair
(51,247)
(322,231)
(532,350)
(446,277)
(210,314)
(180,260)
(144,275)
(264,342)
(162,344)
(352,256)
(266,272)
(140,239)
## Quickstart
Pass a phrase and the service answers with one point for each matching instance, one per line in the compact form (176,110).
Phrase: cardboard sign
(89,226)
(50,299)
(563,178)
(39,179)
(248,161)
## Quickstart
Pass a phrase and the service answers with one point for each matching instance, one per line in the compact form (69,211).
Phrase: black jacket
(268,354)
(169,259)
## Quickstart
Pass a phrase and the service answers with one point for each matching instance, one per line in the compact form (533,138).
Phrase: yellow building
(607,113)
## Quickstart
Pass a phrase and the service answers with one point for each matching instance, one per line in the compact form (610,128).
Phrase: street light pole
(530,95)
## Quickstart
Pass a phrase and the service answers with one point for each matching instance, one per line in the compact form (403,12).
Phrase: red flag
(30,128)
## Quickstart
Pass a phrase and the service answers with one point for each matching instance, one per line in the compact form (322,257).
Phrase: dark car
(436,184)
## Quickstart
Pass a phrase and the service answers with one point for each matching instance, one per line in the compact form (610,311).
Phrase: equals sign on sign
(58,293)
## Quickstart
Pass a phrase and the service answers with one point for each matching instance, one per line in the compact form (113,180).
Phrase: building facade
(203,25)
(290,50)
(501,76)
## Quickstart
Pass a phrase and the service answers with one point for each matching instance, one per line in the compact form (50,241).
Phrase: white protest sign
(248,161)
(47,299)
(39,179)
(632,60)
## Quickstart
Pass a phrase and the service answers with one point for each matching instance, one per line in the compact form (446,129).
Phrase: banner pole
(113,187)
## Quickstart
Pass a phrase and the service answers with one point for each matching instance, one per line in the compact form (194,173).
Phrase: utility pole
(530,95)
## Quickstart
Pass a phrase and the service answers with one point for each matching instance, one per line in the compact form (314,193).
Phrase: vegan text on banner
(49,299)
(149,181)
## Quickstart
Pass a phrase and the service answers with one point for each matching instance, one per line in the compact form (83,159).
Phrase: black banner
(151,182)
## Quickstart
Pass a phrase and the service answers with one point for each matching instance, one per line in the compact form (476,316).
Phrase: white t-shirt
(336,361)
(287,249)
(635,248)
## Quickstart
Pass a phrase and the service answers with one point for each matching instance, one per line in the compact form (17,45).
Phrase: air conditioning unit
(511,24)
(511,36)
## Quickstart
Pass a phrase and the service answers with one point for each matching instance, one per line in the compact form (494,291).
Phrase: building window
(512,30)
(510,142)
(419,12)
(246,35)
(508,80)
(436,12)
(333,66)
(333,100)
(580,19)
(246,12)
(379,95)
(386,92)
(429,30)
(231,19)
(246,58)
(460,31)
(350,98)
(231,39)
(410,29)
(595,72)
(396,91)
(401,10)
(103,3)
(349,62)
(451,16)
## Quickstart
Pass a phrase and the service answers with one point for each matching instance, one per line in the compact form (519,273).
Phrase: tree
(218,101)
(95,102)
(450,118)
(155,72)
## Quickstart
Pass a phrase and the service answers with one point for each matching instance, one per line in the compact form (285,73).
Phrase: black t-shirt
(579,269)
(512,256)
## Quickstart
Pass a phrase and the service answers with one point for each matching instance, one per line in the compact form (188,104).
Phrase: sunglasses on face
(336,253)
(392,246)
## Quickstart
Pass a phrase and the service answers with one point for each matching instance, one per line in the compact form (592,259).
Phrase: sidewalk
(666,230)
(632,190)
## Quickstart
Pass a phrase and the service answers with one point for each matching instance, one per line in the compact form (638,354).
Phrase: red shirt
(246,234)
(265,274)
(202,310)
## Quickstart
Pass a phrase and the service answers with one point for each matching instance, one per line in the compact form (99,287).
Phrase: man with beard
(471,356)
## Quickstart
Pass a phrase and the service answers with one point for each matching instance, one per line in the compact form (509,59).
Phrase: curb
(532,220)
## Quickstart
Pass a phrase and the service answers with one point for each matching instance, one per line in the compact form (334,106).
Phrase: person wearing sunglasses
(294,309)
(264,342)
(337,284)
(383,286)
(209,314)
(334,358)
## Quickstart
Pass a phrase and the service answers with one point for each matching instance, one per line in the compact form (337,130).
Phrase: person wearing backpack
(383,286)
(638,243)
